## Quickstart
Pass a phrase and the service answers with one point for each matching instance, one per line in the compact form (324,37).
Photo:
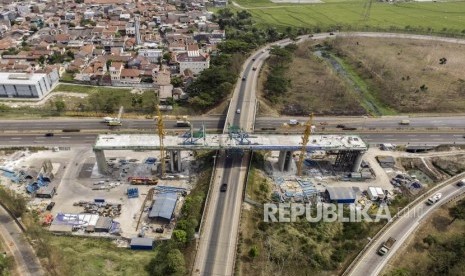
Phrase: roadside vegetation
(6,262)
(298,248)
(416,17)
(75,88)
(437,248)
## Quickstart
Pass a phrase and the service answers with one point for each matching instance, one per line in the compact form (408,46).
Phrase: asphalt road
(218,122)
(25,258)
(371,263)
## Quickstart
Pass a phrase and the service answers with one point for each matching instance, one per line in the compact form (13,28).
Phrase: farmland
(444,17)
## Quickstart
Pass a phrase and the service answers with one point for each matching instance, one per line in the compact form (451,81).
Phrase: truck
(435,198)
(386,246)
(404,122)
(115,123)
(183,123)
(293,122)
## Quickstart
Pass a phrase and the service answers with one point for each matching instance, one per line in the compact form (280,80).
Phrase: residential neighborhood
(107,42)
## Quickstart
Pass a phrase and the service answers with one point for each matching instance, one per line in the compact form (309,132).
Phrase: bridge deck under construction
(225,141)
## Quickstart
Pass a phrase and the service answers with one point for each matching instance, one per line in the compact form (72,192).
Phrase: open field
(444,17)
(315,87)
(424,252)
(409,77)
(88,89)
(87,256)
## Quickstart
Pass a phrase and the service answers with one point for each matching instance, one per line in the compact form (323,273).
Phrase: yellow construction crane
(161,136)
(305,139)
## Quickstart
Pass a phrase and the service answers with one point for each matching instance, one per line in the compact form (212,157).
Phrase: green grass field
(445,17)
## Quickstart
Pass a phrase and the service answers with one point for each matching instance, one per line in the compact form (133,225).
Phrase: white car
(435,198)
(238,111)
(293,122)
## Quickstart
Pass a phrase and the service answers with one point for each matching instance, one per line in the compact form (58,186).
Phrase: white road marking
(66,137)
(39,137)
(434,135)
(16,138)
(89,137)
(411,135)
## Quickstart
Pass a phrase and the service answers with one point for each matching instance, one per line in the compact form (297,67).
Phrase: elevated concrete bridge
(348,147)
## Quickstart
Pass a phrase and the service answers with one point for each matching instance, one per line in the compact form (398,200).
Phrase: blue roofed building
(163,207)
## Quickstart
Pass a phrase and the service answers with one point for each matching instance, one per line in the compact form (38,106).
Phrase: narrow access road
(23,253)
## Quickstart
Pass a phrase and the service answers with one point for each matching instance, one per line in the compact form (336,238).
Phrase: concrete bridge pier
(358,161)
(285,160)
(175,161)
(102,164)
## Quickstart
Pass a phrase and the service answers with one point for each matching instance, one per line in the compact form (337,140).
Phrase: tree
(176,81)
(60,105)
(175,263)
(253,252)
(458,211)
(167,57)
(180,237)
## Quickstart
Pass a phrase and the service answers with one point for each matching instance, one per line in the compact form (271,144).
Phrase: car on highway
(223,187)
(238,111)
(461,183)
(253,59)
(331,33)
(243,78)
(255,68)
(50,206)
(341,126)
(49,134)
(435,198)
(293,122)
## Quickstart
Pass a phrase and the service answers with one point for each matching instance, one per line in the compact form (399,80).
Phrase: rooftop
(163,206)
(20,78)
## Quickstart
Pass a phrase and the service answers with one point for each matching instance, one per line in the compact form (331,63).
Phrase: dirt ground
(406,75)
(315,87)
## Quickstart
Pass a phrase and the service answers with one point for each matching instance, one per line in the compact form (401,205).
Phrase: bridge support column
(101,161)
(285,160)
(357,161)
(175,160)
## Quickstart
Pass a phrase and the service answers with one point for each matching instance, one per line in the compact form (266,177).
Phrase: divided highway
(370,263)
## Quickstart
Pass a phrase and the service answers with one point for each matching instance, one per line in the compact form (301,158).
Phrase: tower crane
(305,139)
(161,136)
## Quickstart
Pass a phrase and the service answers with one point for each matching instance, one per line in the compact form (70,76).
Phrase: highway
(370,262)
(218,122)
(16,243)
(217,244)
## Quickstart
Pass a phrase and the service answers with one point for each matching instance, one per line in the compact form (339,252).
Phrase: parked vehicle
(435,198)
(50,206)
(386,246)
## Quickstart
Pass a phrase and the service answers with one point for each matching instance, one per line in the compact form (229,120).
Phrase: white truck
(108,119)
(435,198)
(293,122)
(386,246)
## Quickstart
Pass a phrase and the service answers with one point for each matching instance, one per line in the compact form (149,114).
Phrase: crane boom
(305,139)
(161,136)
(120,113)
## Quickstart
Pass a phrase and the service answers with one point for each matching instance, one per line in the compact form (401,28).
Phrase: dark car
(331,33)
(341,126)
(255,68)
(243,78)
(253,59)
(50,206)
(224,187)
(461,183)
(349,128)
(49,134)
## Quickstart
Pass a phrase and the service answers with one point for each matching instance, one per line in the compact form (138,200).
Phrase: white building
(151,54)
(196,63)
(24,85)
